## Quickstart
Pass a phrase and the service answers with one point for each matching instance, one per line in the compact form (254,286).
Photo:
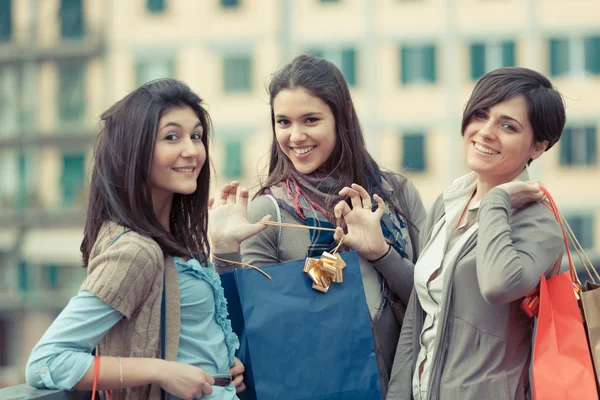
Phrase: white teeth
(485,149)
(184,169)
(303,150)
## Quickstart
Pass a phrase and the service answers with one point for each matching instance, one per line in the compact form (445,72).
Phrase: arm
(513,252)
(262,248)
(400,386)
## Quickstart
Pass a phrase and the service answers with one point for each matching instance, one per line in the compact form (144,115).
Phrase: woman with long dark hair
(152,306)
(317,158)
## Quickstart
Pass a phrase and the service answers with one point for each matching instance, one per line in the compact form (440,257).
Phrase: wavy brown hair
(350,162)
(120,185)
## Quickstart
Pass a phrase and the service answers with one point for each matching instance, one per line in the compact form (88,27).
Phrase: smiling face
(304,128)
(179,154)
(499,141)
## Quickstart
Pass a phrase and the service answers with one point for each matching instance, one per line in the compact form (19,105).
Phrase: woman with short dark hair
(487,242)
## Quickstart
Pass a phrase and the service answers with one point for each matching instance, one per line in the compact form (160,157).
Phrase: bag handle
(96,374)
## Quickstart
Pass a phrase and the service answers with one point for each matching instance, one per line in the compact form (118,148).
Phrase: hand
(522,193)
(184,381)
(228,224)
(237,372)
(363,224)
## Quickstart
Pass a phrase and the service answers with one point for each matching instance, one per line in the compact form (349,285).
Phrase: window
(489,56)
(575,56)
(417,64)
(155,6)
(233,159)
(10,100)
(583,228)
(578,145)
(71,19)
(237,73)
(559,56)
(229,3)
(343,57)
(71,94)
(413,151)
(4,344)
(592,54)
(150,69)
(9,179)
(72,179)
(24,276)
(5,20)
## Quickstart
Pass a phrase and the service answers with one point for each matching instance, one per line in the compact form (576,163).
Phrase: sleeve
(400,385)
(63,355)
(123,274)
(262,248)
(513,252)
(396,270)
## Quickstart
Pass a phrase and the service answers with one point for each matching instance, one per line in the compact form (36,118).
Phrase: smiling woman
(488,241)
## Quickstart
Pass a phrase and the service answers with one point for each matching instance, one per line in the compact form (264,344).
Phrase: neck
(487,183)
(162,204)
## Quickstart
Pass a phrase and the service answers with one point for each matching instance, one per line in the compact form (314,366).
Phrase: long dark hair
(120,185)
(545,105)
(350,161)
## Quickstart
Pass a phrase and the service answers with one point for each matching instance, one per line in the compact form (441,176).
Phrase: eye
(509,127)
(480,114)
(171,137)
(283,122)
(312,120)
(197,136)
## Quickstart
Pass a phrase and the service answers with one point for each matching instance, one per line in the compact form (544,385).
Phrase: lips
(485,149)
(185,170)
(302,150)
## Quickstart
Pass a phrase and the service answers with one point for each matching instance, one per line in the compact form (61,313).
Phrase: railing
(26,392)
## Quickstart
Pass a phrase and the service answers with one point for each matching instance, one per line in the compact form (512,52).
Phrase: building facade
(411,65)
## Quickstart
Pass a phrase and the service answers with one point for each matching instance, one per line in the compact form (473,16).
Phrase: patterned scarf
(305,197)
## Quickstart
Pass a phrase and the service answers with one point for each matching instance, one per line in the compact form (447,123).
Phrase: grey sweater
(263,249)
(483,346)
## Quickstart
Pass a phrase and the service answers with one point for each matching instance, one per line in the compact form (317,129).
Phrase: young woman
(149,283)
(318,149)
(487,243)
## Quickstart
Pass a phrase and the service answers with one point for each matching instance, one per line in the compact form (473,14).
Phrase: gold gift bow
(323,271)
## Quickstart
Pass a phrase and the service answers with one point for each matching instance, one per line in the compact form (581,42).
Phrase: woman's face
(179,154)
(499,141)
(304,128)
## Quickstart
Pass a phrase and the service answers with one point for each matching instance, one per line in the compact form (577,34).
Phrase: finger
(338,234)
(354,198)
(207,387)
(241,388)
(244,195)
(259,227)
(237,380)
(364,196)
(237,368)
(224,194)
(211,201)
(233,189)
(380,206)
(341,209)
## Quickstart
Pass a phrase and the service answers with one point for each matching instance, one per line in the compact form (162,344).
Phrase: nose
(189,148)
(297,135)
(487,131)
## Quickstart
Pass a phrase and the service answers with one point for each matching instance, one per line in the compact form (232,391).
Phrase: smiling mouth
(185,170)
(484,149)
(302,150)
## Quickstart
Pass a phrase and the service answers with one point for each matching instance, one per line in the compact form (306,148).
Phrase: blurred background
(411,65)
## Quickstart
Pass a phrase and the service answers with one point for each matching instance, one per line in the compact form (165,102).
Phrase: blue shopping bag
(301,343)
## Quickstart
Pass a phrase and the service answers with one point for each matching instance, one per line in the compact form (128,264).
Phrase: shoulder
(539,217)
(261,205)
(124,247)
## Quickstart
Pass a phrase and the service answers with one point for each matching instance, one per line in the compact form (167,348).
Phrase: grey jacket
(483,346)
(267,248)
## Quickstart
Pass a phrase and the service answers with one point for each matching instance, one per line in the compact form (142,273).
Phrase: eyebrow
(309,114)
(511,119)
(177,125)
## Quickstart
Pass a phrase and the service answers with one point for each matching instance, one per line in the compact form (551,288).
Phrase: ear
(540,148)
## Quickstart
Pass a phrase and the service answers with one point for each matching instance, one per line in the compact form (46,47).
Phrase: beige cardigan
(127,274)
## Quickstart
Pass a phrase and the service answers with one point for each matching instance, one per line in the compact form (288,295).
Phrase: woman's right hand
(183,380)
(522,193)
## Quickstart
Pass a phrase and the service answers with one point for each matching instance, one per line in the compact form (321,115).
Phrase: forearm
(133,372)
(398,272)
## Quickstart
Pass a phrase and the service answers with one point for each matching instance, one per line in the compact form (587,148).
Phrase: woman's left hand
(228,224)
(237,372)
(363,224)
(522,193)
